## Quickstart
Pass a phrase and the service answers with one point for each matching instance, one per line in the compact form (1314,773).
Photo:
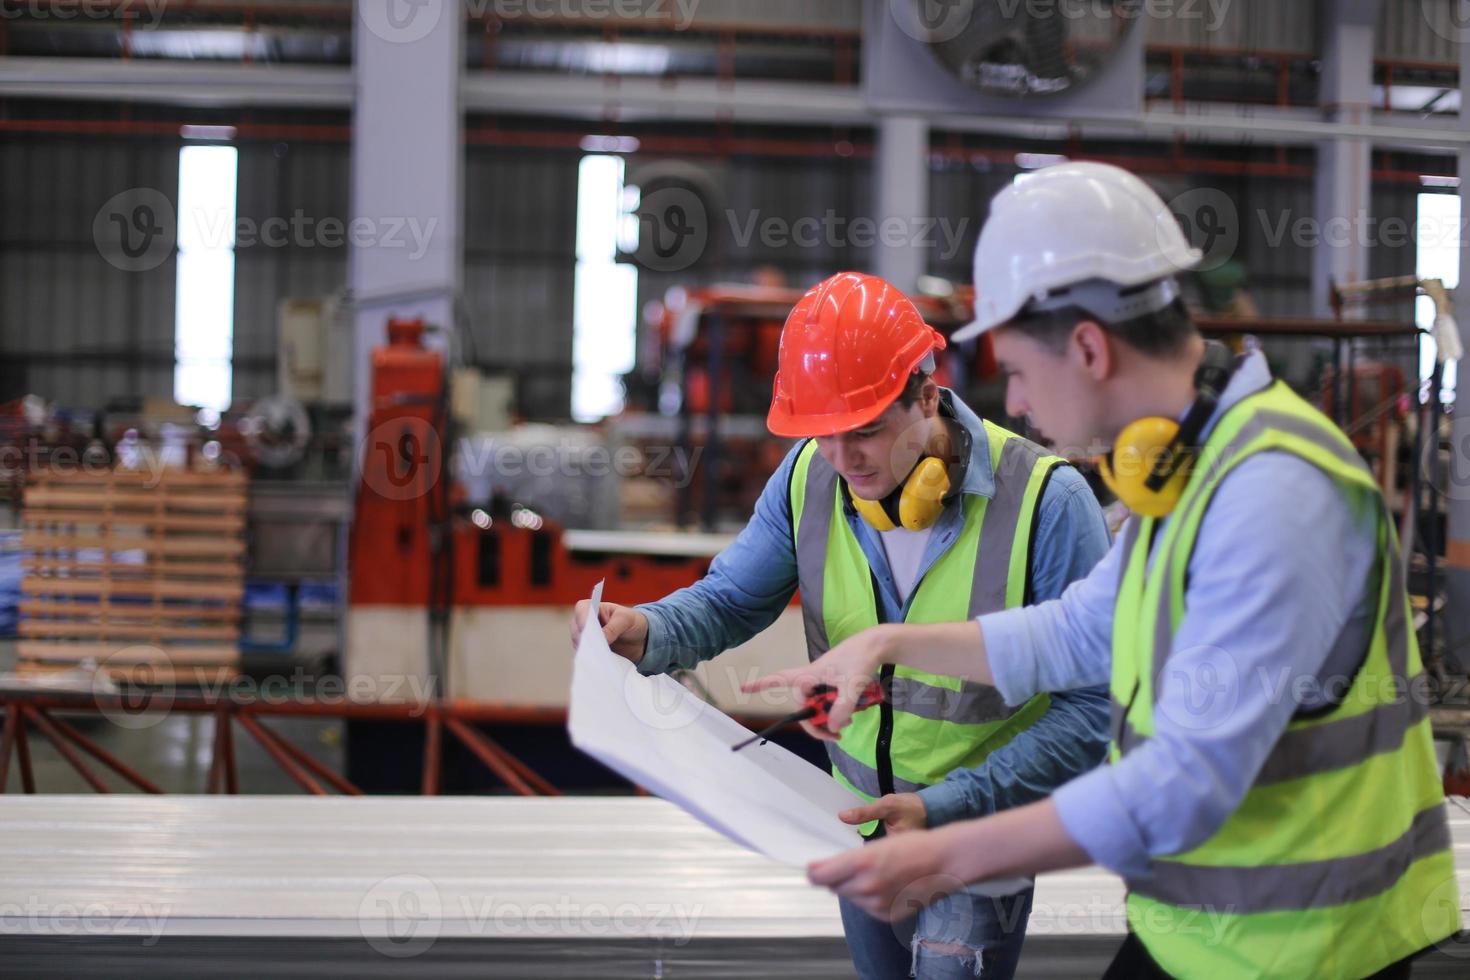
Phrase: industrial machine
(457,598)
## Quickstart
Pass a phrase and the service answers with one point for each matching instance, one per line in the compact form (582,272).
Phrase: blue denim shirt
(752,581)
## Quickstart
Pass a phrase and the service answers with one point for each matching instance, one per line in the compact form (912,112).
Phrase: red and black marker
(818,705)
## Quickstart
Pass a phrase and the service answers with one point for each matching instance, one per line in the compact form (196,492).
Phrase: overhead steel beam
(191,83)
(688,100)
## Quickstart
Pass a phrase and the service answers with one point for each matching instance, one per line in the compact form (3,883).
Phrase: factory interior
(349,347)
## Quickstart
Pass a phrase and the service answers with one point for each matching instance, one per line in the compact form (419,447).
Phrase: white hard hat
(1069,224)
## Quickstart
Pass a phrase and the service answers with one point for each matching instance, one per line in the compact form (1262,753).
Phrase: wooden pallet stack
(141,573)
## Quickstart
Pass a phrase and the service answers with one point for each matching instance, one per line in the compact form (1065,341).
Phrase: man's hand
(849,667)
(899,812)
(895,877)
(626,630)
(890,879)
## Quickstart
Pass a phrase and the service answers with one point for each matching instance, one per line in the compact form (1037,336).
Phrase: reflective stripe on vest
(1337,861)
(940,723)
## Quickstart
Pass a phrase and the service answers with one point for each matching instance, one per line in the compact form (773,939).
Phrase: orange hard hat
(847,350)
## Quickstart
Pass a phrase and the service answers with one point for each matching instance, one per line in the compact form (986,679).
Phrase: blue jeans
(960,937)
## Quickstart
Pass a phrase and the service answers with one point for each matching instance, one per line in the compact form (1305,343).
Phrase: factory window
(605,294)
(204,311)
(1438,257)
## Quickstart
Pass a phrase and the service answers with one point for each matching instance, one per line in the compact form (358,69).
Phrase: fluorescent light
(204,299)
(604,291)
(1437,256)
(610,144)
(207,132)
(1035,161)
(1436,180)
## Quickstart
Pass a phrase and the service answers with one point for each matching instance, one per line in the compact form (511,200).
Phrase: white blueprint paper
(656,733)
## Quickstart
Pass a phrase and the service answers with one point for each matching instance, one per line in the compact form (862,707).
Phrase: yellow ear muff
(872,511)
(923,494)
(919,504)
(1135,453)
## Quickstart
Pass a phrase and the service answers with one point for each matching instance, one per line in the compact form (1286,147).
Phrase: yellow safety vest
(930,725)
(1337,863)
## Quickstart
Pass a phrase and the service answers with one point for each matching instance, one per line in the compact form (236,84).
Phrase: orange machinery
(474,603)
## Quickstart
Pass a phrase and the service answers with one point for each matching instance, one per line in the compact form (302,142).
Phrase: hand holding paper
(659,735)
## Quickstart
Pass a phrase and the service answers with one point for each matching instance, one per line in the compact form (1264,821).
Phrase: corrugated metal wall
(962,194)
(829,191)
(304,185)
(1420,30)
(520,255)
(843,14)
(72,326)
(1252,25)
(1278,267)
(1395,257)
(77,329)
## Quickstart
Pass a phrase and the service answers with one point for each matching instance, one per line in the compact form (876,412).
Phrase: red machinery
(402,473)
(438,591)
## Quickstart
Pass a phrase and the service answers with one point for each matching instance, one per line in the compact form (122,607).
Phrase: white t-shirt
(905,551)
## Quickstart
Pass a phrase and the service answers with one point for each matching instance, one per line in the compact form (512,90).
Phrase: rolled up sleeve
(1271,587)
(747,587)
(1071,735)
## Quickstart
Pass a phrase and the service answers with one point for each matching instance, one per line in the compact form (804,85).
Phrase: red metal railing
(25,710)
(36,711)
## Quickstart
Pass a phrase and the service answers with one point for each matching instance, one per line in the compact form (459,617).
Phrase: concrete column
(901,185)
(407,171)
(406,254)
(1457,481)
(1344,166)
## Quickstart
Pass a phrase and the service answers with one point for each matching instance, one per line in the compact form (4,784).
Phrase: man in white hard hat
(1273,801)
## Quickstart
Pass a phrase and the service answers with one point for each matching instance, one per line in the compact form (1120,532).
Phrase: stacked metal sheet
(590,887)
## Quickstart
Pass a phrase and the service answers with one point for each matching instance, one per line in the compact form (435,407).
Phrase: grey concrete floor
(175,754)
(174,751)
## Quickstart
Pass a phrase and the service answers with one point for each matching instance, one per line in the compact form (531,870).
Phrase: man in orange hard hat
(900,504)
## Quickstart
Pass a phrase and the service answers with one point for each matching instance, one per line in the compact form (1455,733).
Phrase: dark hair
(912,388)
(1163,334)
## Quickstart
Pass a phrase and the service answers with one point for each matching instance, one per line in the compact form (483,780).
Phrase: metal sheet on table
(447,887)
